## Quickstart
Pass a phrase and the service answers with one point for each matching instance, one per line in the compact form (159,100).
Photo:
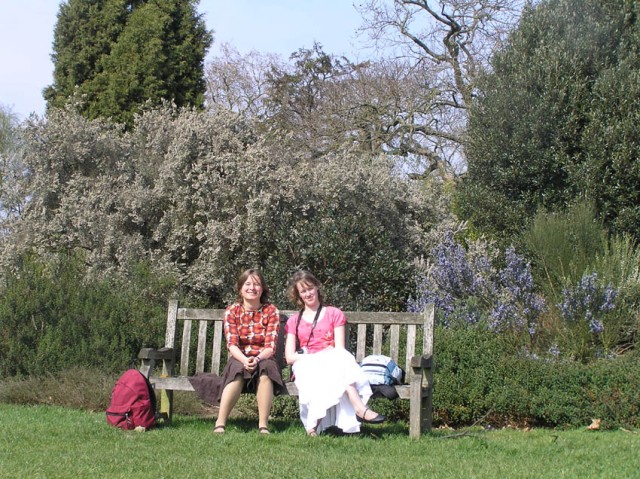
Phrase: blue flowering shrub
(591,282)
(595,316)
(585,308)
(478,285)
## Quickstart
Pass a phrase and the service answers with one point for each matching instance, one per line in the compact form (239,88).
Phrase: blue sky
(274,26)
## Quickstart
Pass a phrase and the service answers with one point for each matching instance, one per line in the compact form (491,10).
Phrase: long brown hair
(243,278)
(304,277)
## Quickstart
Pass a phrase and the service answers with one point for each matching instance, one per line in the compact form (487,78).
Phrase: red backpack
(133,402)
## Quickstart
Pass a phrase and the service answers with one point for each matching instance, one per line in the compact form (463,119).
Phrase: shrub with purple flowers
(591,315)
(584,309)
(466,287)
(453,282)
(517,305)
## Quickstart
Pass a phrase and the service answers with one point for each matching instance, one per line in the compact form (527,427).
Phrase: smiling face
(251,291)
(308,293)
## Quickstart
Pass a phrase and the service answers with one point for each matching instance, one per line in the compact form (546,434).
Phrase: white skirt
(322,379)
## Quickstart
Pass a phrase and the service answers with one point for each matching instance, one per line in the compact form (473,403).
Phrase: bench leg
(415,407)
(166,396)
(420,404)
(427,403)
(166,404)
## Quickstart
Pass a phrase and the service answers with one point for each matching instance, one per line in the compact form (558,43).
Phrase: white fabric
(322,379)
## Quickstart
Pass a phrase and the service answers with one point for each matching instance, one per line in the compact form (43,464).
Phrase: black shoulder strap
(313,326)
(297,326)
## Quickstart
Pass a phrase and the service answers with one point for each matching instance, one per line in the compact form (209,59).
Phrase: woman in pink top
(332,389)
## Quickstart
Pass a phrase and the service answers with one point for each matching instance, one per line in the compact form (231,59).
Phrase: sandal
(376,420)
(312,433)
(219,429)
(264,430)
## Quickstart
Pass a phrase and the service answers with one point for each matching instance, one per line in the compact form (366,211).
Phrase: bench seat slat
(176,383)
(181,383)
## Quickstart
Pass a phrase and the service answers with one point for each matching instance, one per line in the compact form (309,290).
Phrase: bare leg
(356,401)
(230,395)
(264,396)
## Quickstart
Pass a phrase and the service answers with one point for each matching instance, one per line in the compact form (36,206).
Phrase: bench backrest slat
(216,350)
(427,338)
(186,345)
(201,314)
(202,346)
(361,342)
(170,333)
(394,342)
(392,334)
(377,339)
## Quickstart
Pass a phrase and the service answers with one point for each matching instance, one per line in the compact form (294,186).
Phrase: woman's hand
(251,364)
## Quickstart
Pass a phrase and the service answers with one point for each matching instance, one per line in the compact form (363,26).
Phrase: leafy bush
(584,310)
(285,407)
(478,380)
(52,318)
(480,377)
(592,284)
(563,245)
(466,360)
(200,197)
(556,119)
(80,388)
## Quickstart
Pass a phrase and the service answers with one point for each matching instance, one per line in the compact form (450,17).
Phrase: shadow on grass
(282,425)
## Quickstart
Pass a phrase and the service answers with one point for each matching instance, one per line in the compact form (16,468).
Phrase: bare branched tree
(322,103)
(239,83)
(446,43)
(410,104)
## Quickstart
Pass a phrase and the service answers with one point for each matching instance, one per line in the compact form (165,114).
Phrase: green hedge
(480,378)
(53,319)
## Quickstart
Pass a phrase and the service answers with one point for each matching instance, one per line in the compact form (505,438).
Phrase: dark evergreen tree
(540,131)
(115,55)
(610,173)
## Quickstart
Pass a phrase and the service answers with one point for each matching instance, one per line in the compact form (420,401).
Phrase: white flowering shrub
(201,196)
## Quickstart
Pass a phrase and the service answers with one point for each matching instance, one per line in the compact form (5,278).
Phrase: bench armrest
(149,356)
(157,354)
(422,362)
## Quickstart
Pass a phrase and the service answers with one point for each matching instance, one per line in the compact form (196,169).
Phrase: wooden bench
(406,337)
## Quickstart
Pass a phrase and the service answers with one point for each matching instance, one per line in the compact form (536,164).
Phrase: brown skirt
(209,386)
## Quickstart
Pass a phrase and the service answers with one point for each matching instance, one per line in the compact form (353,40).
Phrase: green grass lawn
(53,442)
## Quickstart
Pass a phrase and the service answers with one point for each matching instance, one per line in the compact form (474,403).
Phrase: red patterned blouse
(252,331)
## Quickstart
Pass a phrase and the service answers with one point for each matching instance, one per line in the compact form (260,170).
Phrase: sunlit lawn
(51,442)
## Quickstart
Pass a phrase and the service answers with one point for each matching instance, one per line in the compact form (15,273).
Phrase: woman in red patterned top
(251,331)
